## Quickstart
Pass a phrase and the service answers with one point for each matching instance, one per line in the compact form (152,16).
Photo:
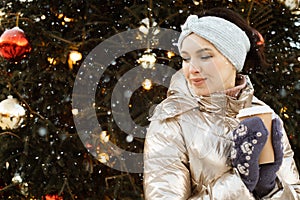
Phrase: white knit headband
(227,37)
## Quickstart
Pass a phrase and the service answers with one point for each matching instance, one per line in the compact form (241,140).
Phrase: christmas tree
(79,80)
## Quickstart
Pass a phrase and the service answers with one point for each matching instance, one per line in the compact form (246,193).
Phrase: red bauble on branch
(53,197)
(14,44)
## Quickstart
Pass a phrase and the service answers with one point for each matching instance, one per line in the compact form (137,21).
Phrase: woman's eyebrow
(198,51)
(204,49)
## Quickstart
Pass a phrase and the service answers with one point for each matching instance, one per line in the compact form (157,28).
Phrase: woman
(194,144)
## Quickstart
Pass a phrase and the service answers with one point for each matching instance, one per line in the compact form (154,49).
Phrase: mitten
(249,139)
(267,172)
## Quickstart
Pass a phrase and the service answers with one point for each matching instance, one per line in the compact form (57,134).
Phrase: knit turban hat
(227,37)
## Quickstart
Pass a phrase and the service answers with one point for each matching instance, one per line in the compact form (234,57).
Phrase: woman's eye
(206,57)
(185,59)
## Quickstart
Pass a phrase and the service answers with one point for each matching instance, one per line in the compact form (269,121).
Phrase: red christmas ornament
(13,44)
(53,197)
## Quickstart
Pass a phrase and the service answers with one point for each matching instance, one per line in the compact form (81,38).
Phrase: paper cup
(265,113)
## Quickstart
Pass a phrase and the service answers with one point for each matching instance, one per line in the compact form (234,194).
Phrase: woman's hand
(249,139)
(267,172)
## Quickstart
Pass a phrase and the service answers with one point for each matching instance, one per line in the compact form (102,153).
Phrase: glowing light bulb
(75,56)
(66,19)
(104,137)
(52,61)
(147,84)
(103,157)
(170,54)
(59,16)
(197,2)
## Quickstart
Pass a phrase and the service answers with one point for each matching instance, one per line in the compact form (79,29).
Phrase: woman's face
(205,68)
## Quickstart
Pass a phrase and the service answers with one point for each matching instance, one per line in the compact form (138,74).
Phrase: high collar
(230,101)
(241,83)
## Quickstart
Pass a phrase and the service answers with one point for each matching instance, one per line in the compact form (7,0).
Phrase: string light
(104,137)
(66,19)
(103,157)
(75,111)
(283,112)
(74,56)
(283,109)
(197,2)
(170,54)
(59,16)
(147,84)
(52,61)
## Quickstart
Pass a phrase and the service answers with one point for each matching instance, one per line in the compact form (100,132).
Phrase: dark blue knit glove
(267,172)
(249,139)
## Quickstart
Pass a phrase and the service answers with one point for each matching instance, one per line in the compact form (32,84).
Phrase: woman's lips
(197,81)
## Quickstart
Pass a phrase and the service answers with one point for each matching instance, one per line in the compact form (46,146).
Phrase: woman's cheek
(210,66)
(185,70)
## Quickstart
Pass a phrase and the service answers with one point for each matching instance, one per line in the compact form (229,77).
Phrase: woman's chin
(201,91)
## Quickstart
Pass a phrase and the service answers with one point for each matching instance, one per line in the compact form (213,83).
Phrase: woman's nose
(193,68)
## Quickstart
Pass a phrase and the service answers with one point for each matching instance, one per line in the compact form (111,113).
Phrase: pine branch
(8,187)
(9,133)
(25,102)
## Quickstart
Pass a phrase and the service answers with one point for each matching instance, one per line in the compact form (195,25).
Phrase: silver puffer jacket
(187,148)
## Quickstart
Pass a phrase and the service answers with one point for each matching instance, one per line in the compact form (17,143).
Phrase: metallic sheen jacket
(188,143)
